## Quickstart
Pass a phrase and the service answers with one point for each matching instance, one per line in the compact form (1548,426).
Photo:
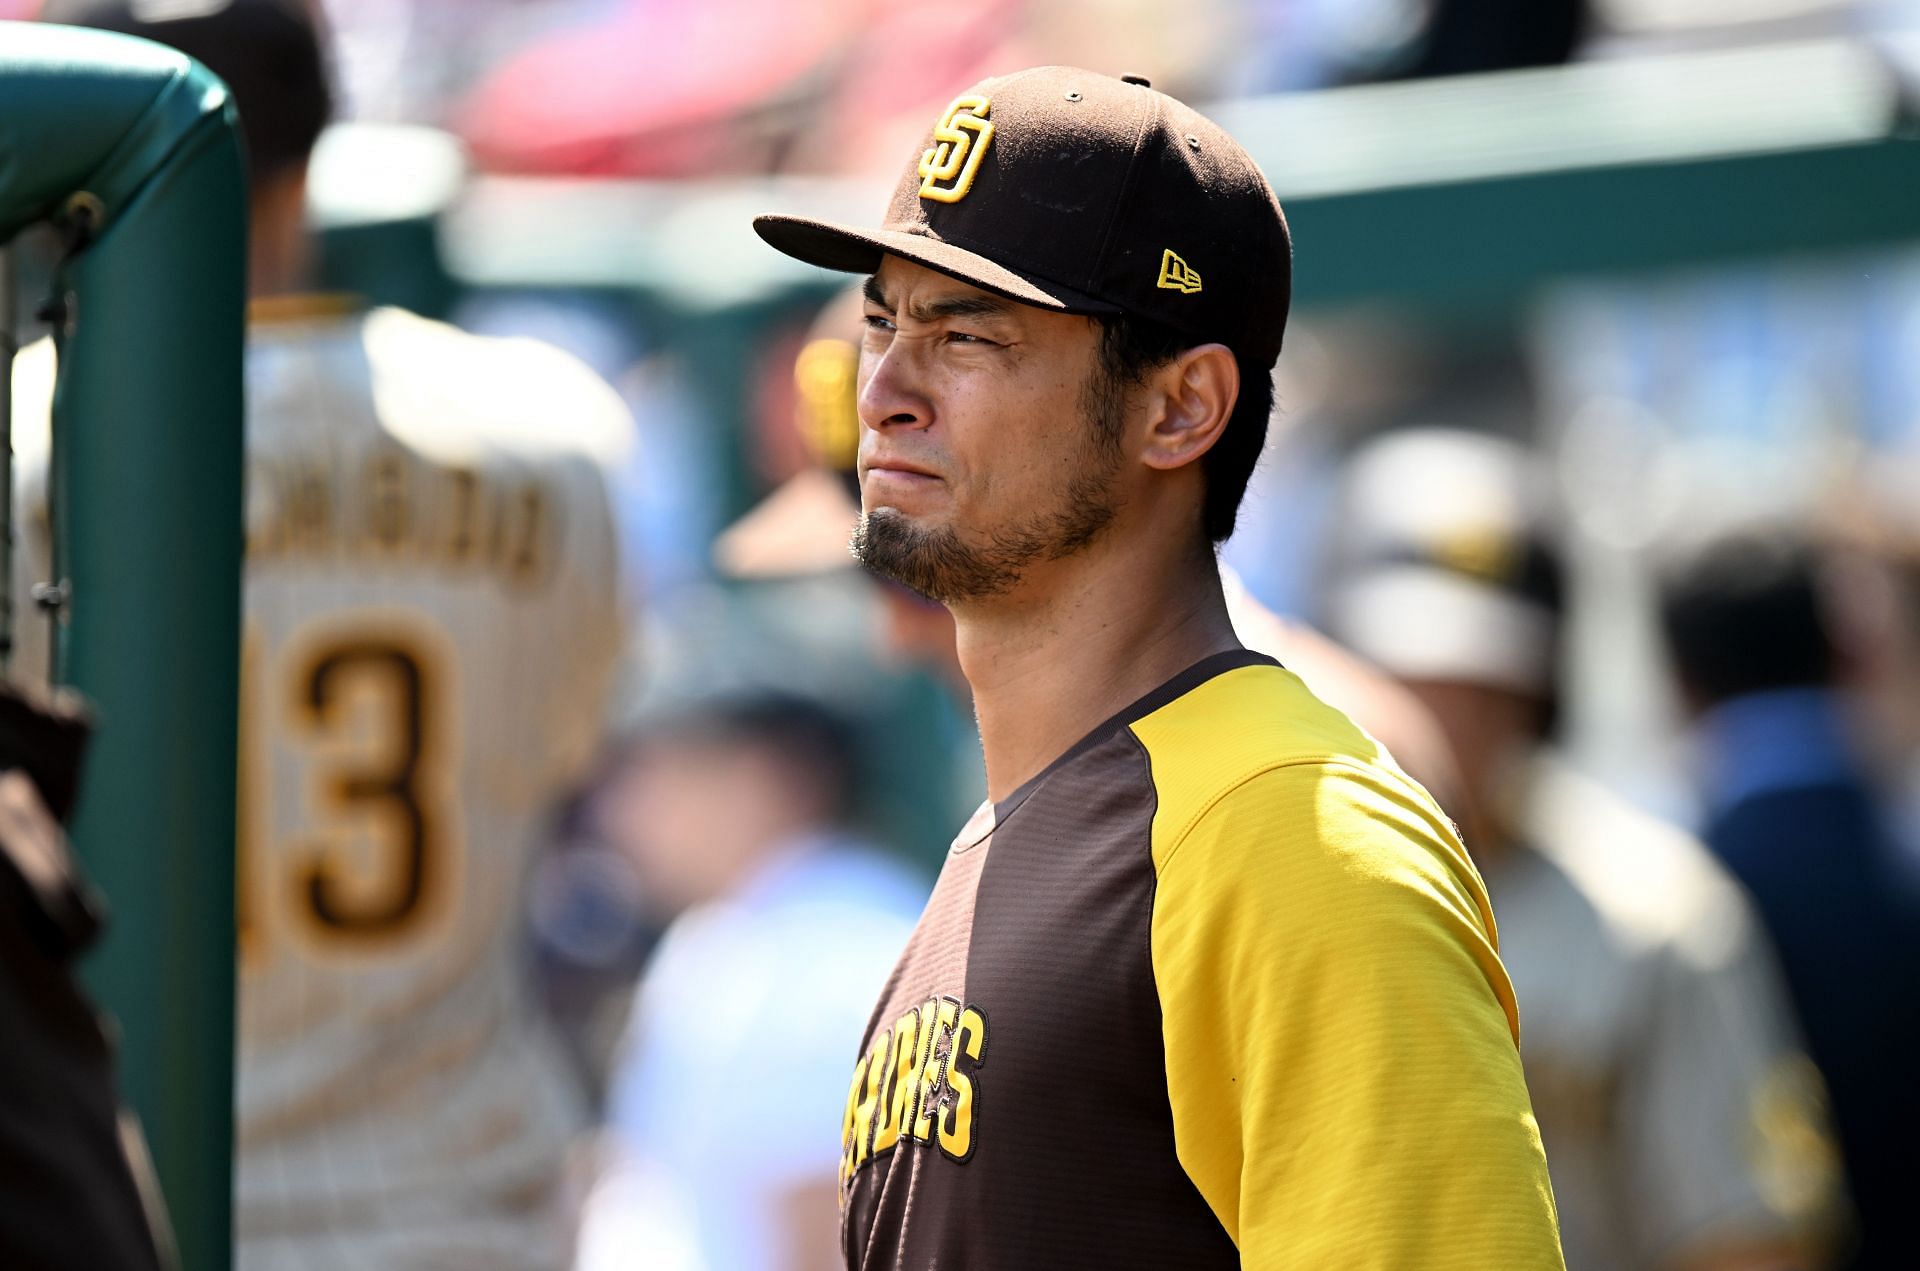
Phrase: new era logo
(1177,275)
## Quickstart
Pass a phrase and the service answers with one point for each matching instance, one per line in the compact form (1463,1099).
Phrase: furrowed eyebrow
(960,307)
(935,310)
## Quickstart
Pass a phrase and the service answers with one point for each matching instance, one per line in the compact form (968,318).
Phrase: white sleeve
(589,622)
(1723,1113)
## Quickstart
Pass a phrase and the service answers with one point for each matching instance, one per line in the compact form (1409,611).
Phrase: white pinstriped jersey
(432,616)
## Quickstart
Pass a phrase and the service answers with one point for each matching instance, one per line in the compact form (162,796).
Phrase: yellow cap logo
(960,142)
(1177,275)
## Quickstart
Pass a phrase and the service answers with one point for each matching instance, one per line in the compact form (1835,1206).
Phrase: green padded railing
(133,151)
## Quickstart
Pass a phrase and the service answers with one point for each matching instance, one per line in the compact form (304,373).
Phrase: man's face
(989,441)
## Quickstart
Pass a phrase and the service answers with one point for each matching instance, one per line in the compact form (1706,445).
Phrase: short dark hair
(269,53)
(1744,614)
(1131,348)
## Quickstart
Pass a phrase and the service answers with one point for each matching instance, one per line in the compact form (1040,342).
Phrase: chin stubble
(940,565)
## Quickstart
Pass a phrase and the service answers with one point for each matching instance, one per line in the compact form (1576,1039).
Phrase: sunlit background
(1670,246)
(1684,341)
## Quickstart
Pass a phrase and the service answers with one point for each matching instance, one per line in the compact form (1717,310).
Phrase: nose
(890,392)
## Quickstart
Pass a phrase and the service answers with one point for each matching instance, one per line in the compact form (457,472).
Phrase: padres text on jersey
(1219,987)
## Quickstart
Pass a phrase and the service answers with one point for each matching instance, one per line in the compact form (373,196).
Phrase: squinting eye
(876,322)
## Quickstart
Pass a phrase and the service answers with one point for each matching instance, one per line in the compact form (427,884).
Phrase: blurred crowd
(1632,583)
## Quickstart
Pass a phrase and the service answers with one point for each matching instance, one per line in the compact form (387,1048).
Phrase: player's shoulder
(438,386)
(1246,710)
(1242,714)
(1254,744)
(1269,801)
(1649,883)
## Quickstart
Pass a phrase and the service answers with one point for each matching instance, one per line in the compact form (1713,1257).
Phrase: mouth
(898,470)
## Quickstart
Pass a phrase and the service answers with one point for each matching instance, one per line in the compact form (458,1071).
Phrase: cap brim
(853,250)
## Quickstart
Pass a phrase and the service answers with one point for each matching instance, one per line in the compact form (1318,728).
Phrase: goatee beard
(938,564)
(941,566)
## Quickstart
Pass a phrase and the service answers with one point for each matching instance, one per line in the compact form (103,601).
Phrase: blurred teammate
(734,814)
(430,618)
(1208,982)
(1680,1121)
(1794,810)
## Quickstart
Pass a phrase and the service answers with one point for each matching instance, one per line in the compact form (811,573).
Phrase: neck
(1078,640)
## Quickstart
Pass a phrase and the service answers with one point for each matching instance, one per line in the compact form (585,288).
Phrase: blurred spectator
(432,616)
(726,1101)
(1792,810)
(1876,528)
(1681,1123)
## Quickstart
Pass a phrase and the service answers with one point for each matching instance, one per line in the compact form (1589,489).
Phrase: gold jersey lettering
(903,1082)
(937,1017)
(918,1082)
(849,1129)
(956,1120)
(389,507)
(876,1075)
(948,167)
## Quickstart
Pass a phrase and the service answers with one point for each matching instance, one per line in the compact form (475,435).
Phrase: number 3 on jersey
(365,856)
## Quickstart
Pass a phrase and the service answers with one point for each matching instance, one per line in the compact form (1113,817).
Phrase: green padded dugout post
(133,149)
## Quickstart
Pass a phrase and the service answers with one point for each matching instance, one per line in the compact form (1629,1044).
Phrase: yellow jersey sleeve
(1341,1039)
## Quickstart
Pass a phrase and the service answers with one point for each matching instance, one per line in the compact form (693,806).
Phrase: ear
(1196,392)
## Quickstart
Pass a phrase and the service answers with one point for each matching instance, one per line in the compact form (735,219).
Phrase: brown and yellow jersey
(1218,988)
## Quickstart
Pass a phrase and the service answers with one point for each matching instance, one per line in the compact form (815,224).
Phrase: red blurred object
(672,88)
(907,63)
(664,88)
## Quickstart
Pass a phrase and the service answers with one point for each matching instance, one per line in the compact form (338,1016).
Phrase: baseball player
(1208,981)
(802,528)
(1679,1110)
(430,620)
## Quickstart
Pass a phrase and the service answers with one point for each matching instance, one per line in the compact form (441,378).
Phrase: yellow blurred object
(825,379)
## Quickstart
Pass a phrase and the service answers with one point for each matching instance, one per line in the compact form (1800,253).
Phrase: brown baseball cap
(1075,191)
